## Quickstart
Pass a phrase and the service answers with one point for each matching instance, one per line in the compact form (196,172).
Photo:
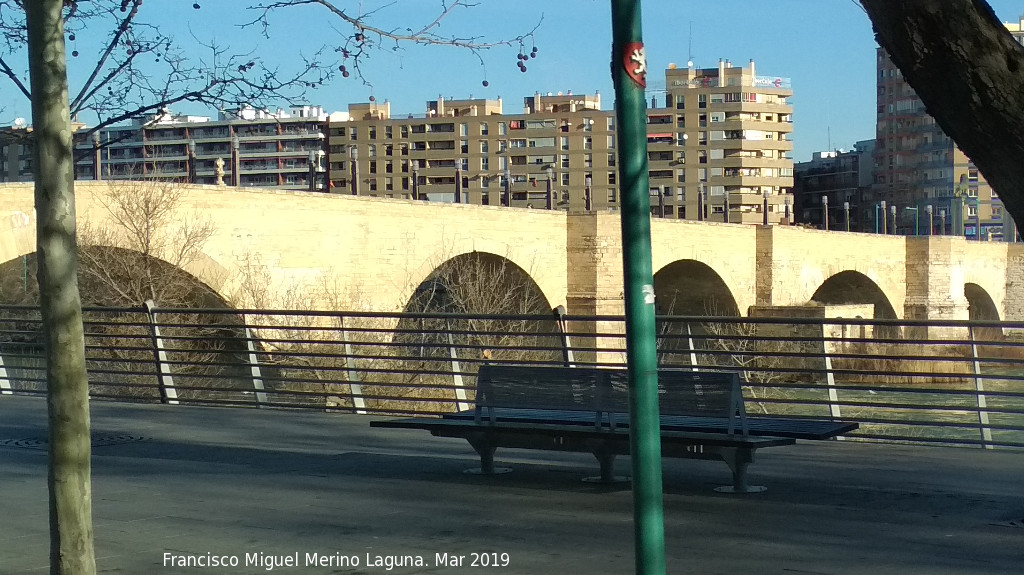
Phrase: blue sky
(825,46)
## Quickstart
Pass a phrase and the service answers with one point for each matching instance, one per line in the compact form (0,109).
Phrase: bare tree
(969,72)
(69,477)
(364,32)
(136,66)
(139,251)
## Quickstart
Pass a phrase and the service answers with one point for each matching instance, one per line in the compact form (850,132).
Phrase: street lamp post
(97,158)
(415,181)
(312,170)
(725,206)
(764,208)
(354,157)
(917,218)
(885,219)
(458,184)
(549,201)
(846,214)
(931,224)
(506,196)
(942,222)
(700,201)
(824,211)
(191,161)
(586,193)
(236,161)
(892,210)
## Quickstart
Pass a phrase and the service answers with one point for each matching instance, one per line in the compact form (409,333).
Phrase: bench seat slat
(811,429)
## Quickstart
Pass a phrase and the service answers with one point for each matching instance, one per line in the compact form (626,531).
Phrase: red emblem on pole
(634,61)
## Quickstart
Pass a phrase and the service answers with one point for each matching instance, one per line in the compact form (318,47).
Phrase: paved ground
(192,481)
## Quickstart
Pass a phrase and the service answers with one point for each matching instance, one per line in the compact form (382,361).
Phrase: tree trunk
(70,484)
(969,72)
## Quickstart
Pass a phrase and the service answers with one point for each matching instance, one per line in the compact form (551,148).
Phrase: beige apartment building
(718,149)
(919,169)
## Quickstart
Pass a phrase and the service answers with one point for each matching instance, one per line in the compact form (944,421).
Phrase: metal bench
(587,409)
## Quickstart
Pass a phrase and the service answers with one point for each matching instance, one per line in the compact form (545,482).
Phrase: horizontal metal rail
(928,382)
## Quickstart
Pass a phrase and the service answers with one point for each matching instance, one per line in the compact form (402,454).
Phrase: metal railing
(953,383)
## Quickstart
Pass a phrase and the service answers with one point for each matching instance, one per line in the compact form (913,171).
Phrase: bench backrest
(605,392)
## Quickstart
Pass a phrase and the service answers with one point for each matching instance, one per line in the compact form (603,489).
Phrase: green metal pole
(629,71)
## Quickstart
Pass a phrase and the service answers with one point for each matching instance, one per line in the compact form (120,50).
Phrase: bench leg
(738,459)
(606,459)
(485,449)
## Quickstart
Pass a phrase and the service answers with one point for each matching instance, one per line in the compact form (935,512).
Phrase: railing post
(563,332)
(462,403)
(355,387)
(5,382)
(254,368)
(979,387)
(693,350)
(168,393)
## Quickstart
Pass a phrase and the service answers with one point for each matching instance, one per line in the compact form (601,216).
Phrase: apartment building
(15,153)
(918,166)
(557,153)
(720,148)
(283,149)
(831,186)
(720,138)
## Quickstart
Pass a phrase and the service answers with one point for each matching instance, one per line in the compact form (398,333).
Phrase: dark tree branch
(14,78)
(969,72)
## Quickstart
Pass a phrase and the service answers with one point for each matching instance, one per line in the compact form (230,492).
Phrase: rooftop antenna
(828,123)
(689,48)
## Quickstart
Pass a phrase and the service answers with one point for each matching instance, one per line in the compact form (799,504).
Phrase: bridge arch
(117,287)
(852,287)
(478,282)
(691,287)
(980,305)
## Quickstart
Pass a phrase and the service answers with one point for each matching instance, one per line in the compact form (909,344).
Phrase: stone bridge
(378,251)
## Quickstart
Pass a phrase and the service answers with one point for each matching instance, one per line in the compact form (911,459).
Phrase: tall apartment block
(721,138)
(917,165)
(722,141)
(282,149)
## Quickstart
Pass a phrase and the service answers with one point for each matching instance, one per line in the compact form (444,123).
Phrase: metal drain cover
(98,440)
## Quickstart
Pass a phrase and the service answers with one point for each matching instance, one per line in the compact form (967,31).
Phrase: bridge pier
(595,284)
(935,285)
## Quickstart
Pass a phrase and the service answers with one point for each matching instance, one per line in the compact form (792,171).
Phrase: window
(564,141)
(502,128)
(702,100)
(387,132)
(611,178)
(611,159)
(483,146)
(483,129)
(588,161)
(372,131)
(565,161)
(588,143)
(373,167)
(463,129)
(404,131)
(484,164)
(565,178)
